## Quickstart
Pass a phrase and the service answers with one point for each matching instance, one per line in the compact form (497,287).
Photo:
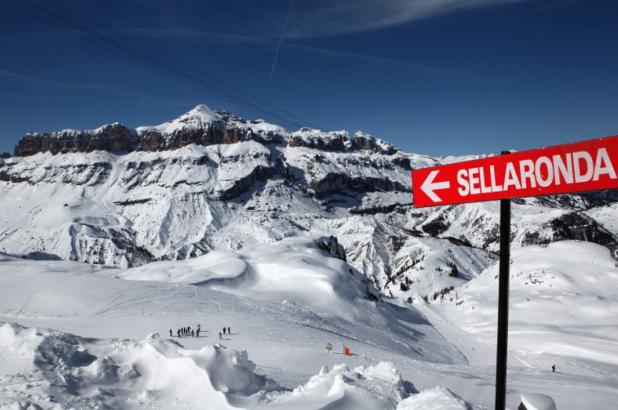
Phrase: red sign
(583,166)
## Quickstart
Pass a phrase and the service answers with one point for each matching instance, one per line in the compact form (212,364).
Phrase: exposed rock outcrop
(200,126)
(573,226)
(340,183)
(112,138)
(331,247)
(339,141)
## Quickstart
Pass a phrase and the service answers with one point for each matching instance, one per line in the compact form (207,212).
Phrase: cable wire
(158,62)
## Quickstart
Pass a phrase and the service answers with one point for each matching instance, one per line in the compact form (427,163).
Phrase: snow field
(562,311)
(68,371)
(283,324)
(563,300)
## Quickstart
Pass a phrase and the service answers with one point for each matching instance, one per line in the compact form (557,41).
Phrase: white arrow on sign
(429,186)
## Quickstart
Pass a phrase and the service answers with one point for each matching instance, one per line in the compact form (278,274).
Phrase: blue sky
(432,76)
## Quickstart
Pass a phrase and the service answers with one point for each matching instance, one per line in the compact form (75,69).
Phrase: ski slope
(563,311)
(563,301)
(87,336)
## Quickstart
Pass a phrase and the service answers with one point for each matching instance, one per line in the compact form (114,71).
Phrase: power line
(158,62)
(152,61)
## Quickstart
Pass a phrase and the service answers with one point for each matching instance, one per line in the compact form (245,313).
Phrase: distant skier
(197,332)
(192,333)
(171,334)
(229,332)
(224,330)
(220,337)
(329,347)
(178,333)
(553,368)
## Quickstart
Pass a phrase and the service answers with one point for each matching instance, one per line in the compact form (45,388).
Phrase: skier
(171,334)
(192,333)
(220,337)
(553,368)
(178,333)
(224,330)
(229,332)
(197,332)
(329,347)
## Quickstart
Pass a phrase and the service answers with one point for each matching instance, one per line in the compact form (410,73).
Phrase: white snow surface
(606,216)
(291,270)
(68,371)
(437,398)
(283,303)
(535,401)
(104,351)
(563,301)
(198,117)
(212,266)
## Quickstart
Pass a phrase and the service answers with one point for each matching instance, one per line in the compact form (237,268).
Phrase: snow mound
(437,398)
(375,387)
(77,373)
(17,347)
(294,270)
(212,266)
(69,371)
(535,401)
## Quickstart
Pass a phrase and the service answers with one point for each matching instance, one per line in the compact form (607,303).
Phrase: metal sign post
(503,302)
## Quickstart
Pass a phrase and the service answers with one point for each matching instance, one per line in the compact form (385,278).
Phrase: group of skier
(225,329)
(187,332)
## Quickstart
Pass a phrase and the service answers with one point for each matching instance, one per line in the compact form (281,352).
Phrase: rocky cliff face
(200,126)
(339,141)
(209,180)
(112,138)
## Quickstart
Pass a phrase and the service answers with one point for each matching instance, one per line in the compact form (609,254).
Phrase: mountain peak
(203,111)
(198,117)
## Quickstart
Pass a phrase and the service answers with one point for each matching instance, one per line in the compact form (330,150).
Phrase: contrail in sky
(285,24)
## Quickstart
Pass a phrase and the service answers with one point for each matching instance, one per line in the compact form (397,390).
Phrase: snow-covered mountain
(295,240)
(211,180)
